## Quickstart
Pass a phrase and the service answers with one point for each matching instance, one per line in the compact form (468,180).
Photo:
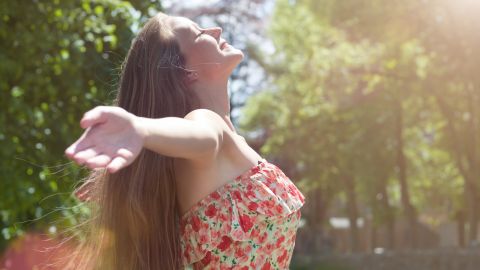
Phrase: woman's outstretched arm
(114,137)
(198,134)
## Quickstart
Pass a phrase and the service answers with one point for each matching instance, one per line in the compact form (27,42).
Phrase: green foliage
(343,71)
(57,60)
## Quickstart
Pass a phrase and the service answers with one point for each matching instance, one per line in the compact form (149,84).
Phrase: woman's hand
(112,139)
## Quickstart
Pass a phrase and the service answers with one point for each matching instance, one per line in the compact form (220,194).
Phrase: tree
(57,60)
(358,65)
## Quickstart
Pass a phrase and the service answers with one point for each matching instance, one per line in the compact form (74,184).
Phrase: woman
(179,186)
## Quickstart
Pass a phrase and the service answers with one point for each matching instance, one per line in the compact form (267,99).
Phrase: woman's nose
(216,32)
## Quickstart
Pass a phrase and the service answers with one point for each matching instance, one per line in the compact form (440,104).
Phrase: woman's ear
(191,77)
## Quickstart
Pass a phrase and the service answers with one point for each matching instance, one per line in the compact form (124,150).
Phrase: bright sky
(187,3)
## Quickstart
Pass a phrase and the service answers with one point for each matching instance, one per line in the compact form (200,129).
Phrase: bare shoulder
(205,114)
(216,126)
(209,118)
(235,144)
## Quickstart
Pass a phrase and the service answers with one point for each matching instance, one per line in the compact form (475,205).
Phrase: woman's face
(205,51)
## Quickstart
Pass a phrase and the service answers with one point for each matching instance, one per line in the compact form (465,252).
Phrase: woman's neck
(214,96)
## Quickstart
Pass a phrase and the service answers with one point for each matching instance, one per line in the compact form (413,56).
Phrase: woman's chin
(234,58)
(241,55)
(238,55)
(238,61)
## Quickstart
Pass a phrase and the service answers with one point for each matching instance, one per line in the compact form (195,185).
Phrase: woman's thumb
(95,116)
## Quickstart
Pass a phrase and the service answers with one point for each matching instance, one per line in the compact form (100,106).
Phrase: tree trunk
(384,214)
(352,209)
(460,218)
(373,236)
(466,164)
(408,208)
(320,206)
(473,166)
(389,215)
(472,210)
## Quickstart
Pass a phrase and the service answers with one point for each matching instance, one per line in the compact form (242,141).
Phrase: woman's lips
(223,45)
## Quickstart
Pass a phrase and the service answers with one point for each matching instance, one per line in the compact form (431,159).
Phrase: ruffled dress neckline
(255,168)
(249,221)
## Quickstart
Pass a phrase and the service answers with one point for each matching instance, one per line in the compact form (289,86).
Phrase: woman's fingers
(122,159)
(116,164)
(95,116)
(81,144)
(98,161)
(125,153)
(82,156)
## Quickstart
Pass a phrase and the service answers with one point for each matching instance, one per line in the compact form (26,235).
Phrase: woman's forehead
(182,24)
(183,30)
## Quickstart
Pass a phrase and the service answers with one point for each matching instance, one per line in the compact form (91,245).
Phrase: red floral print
(266,266)
(280,240)
(237,195)
(246,223)
(215,195)
(249,223)
(226,241)
(282,258)
(196,223)
(208,257)
(252,206)
(279,208)
(211,210)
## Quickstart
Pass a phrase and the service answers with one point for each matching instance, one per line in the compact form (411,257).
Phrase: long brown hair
(135,217)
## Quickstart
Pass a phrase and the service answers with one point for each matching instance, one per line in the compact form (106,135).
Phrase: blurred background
(372,107)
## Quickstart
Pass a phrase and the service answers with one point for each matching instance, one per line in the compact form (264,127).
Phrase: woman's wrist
(141,128)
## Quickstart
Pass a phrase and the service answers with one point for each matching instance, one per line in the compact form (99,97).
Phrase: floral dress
(248,223)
